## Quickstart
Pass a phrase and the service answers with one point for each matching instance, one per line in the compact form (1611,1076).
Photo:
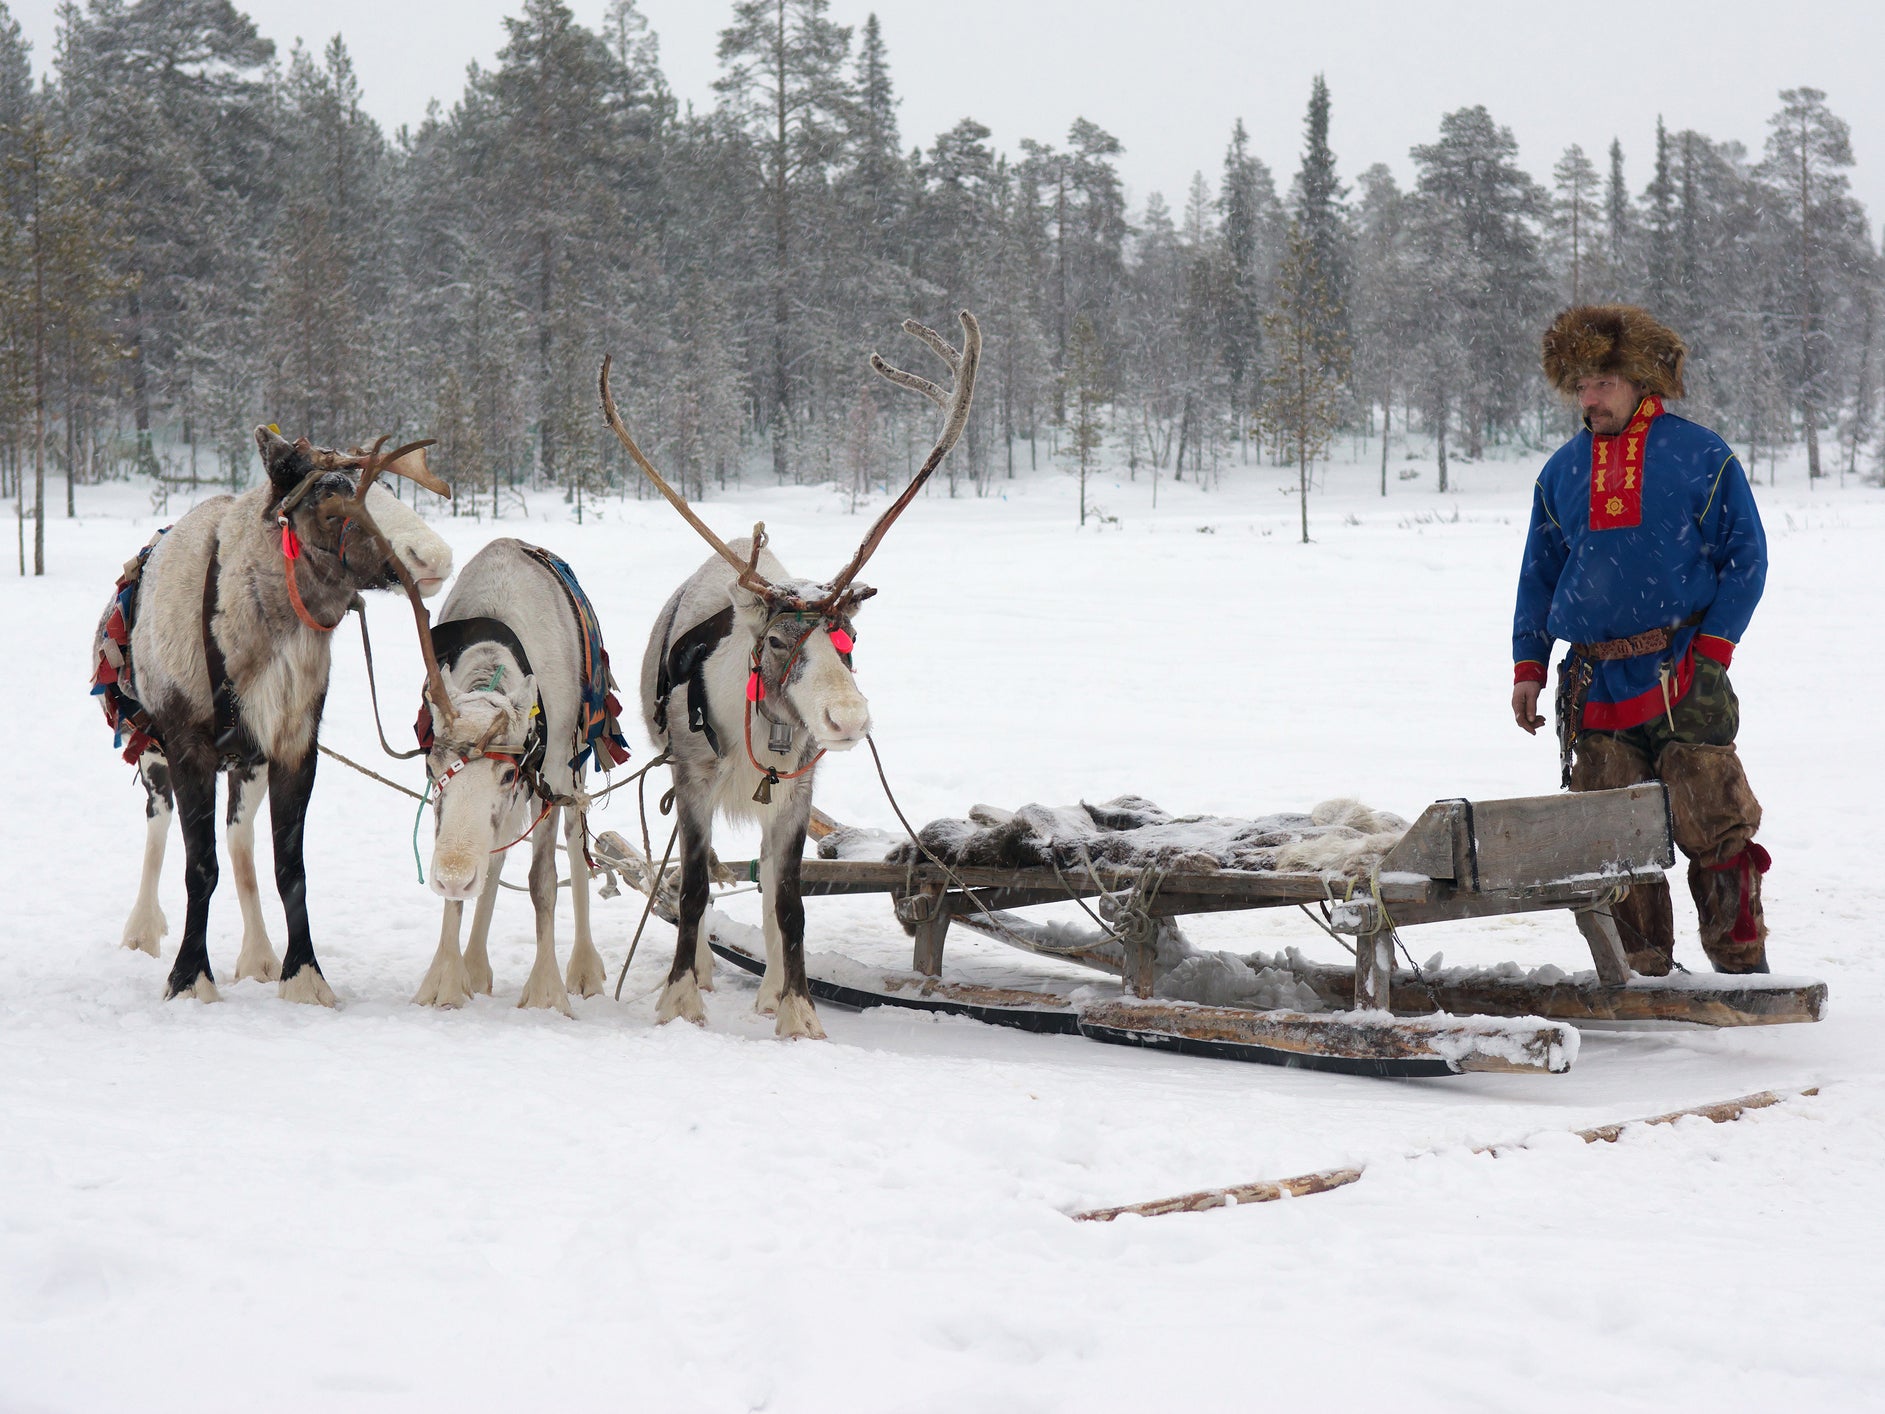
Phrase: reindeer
(741,640)
(517,646)
(225,667)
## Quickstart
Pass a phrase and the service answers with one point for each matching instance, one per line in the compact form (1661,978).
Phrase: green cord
(417,817)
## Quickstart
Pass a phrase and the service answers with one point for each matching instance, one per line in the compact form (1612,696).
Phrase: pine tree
(1575,219)
(1482,253)
(783,84)
(1808,150)
(1384,297)
(1309,362)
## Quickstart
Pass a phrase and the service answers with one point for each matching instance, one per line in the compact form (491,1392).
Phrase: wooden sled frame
(1461,859)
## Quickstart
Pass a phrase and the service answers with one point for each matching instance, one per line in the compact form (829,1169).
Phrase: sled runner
(1142,871)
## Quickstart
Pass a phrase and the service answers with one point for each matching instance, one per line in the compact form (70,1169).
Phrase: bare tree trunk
(39,374)
(1441,443)
(140,387)
(1387,420)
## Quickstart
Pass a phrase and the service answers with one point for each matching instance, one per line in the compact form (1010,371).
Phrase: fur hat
(1594,339)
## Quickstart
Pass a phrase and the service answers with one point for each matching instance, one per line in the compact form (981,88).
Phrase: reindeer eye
(510,775)
(778,643)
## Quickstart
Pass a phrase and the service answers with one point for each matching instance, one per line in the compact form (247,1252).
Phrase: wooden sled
(1461,859)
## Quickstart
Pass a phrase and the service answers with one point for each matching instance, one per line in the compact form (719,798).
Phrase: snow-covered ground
(262,1206)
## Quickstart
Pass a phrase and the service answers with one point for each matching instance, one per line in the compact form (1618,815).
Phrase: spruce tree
(1319,210)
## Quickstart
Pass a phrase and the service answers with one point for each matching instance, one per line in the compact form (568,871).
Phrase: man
(1646,554)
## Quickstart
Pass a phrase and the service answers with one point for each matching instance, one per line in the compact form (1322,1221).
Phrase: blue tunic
(1700,549)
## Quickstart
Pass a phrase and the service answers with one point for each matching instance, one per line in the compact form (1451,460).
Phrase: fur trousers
(1715,816)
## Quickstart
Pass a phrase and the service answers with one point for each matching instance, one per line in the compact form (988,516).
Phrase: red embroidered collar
(1616,471)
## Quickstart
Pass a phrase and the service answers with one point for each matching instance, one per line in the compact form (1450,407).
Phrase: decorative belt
(1655,640)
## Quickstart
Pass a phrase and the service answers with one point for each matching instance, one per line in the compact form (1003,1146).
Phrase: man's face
(1608,402)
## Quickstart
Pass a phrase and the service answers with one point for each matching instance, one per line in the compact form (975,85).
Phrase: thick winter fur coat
(1590,340)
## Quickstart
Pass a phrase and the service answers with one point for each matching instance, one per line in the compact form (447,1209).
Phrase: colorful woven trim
(124,714)
(598,724)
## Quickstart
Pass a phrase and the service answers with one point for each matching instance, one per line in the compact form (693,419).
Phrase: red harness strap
(291,552)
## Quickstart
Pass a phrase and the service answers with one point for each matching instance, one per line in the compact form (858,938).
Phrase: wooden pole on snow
(1325,1180)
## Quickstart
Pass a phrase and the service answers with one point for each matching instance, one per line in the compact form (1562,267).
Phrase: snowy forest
(199,233)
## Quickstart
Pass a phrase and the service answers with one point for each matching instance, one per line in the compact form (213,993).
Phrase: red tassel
(841,640)
(755,689)
(290,542)
(1749,862)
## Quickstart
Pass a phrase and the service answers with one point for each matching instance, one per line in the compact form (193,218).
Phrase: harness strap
(291,555)
(686,661)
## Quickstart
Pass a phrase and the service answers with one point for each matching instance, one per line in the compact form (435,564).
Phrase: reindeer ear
(526,698)
(746,604)
(286,462)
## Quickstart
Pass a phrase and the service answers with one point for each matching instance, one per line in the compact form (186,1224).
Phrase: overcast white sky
(1169,78)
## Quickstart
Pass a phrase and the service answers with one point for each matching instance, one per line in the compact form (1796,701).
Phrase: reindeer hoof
(681,999)
(546,993)
(444,986)
(257,962)
(202,990)
(586,976)
(797,1020)
(307,987)
(144,929)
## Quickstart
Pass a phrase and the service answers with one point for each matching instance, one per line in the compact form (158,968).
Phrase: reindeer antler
(408,461)
(371,467)
(955,403)
(750,577)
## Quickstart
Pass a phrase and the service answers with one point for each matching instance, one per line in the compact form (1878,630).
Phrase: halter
(517,757)
(291,547)
(756,688)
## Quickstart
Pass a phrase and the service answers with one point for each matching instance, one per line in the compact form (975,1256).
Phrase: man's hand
(1525,706)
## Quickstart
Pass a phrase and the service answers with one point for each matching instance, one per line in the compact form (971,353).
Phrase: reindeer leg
(772,984)
(257,958)
(681,997)
(543,988)
(147,923)
(445,983)
(586,975)
(288,791)
(783,851)
(190,975)
(477,949)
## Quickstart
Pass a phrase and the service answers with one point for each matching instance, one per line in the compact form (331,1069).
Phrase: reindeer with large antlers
(215,655)
(742,644)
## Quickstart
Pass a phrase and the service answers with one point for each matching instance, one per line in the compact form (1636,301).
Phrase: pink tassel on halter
(755,689)
(290,542)
(841,640)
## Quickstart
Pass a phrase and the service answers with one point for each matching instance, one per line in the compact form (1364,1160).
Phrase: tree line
(198,234)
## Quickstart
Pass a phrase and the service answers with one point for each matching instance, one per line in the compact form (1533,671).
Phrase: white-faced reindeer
(515,647)
(226,669)
(741,643)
